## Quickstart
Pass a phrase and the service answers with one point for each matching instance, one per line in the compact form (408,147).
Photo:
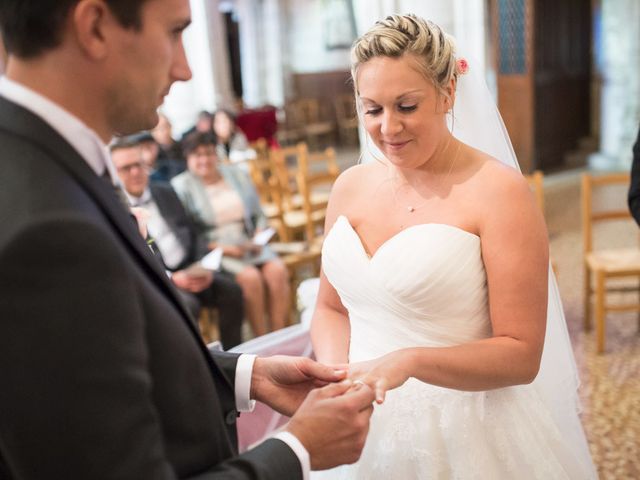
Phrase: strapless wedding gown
(426,286)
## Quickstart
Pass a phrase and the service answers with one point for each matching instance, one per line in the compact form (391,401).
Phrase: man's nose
(180,70)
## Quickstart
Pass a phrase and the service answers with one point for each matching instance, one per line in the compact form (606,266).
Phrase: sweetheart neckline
(370,257)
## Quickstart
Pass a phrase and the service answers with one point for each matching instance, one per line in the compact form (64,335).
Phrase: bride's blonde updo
(398,35)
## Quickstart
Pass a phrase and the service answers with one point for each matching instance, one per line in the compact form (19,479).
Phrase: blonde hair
(398,35)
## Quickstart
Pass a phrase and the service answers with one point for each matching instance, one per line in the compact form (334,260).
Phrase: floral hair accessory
(462,66)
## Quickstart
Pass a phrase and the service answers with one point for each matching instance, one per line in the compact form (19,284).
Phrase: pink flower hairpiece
(462,66)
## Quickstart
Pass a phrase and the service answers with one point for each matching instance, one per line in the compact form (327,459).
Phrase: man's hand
(333,422)
(283,382)
(192,283)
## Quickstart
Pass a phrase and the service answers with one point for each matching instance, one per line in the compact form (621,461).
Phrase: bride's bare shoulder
(492,174)
(356,179)
(498,185)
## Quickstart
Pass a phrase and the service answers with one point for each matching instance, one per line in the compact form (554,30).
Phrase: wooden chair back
(614,262)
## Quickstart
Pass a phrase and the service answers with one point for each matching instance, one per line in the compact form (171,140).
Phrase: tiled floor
(610,390)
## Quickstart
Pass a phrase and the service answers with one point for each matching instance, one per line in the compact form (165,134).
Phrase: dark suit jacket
(179,222)
(102,375)
(634,189)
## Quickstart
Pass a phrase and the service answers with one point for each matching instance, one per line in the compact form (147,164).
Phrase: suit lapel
(33,129)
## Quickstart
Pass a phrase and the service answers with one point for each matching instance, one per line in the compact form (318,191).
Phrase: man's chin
(131,126)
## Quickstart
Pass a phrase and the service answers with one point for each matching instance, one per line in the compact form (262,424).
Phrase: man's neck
(49,77)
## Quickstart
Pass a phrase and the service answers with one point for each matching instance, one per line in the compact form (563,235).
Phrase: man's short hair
(30,27)
(129,141)
(196,140)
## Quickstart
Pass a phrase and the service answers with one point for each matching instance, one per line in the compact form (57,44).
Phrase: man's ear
(90,21)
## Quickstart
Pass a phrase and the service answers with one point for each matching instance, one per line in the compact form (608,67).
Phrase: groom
(102,373)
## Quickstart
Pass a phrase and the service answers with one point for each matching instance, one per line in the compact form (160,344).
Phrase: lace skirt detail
(427,432)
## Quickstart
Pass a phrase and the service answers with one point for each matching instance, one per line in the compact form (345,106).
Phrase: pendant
(411,209)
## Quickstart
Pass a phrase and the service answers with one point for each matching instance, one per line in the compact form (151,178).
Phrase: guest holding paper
(225,206)
(175,237)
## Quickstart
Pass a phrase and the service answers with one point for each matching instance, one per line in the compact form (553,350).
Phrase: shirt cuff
(244,369)
(301,452)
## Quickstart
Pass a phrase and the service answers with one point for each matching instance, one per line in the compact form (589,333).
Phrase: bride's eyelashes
(407,108)
(373,111)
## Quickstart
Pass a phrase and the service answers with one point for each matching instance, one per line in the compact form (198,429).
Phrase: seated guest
(160,168)
(176,239)
(232,143)
(204,124)
(224,204)
(170,151)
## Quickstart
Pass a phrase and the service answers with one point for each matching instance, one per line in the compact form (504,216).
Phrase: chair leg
(203,323)
(587,299)
(600,311)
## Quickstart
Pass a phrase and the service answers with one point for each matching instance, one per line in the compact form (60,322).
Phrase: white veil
(477,122)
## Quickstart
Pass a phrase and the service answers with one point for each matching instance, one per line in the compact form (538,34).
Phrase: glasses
(129,168)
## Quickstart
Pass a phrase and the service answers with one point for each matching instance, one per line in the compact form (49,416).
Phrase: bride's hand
(382,373)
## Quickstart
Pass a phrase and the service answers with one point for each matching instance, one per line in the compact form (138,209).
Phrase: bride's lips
(396,146)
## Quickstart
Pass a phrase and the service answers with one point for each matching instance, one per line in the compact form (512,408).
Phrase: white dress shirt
(87,143)
(173,252)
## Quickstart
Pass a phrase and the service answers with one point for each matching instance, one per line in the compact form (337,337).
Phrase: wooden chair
(311,119)
(347,118)
(316,175)
(305,181)
(603,265)
(208,324)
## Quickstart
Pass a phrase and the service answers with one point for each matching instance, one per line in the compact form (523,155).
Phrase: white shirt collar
(140,201)
(84,140)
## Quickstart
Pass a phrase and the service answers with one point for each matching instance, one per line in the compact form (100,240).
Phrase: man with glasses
(176,238)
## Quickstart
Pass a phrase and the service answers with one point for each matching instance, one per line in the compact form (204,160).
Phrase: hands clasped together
(330,406)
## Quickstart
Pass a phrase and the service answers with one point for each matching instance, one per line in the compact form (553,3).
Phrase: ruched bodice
(425,286)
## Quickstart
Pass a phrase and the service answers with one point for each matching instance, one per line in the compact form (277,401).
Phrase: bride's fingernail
(339,372)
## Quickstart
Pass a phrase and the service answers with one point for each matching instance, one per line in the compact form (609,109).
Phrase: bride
(435,285)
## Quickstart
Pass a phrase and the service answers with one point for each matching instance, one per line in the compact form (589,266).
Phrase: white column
(219,55)
(276,68)
(186,99)
(251,35)
(619,60)
(469,31)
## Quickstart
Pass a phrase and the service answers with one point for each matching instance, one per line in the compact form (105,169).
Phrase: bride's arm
(330,331)
(515,254)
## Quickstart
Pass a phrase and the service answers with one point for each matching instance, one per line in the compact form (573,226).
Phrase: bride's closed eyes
(403,108)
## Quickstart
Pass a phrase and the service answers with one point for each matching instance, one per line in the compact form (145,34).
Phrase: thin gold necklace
(413,208)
